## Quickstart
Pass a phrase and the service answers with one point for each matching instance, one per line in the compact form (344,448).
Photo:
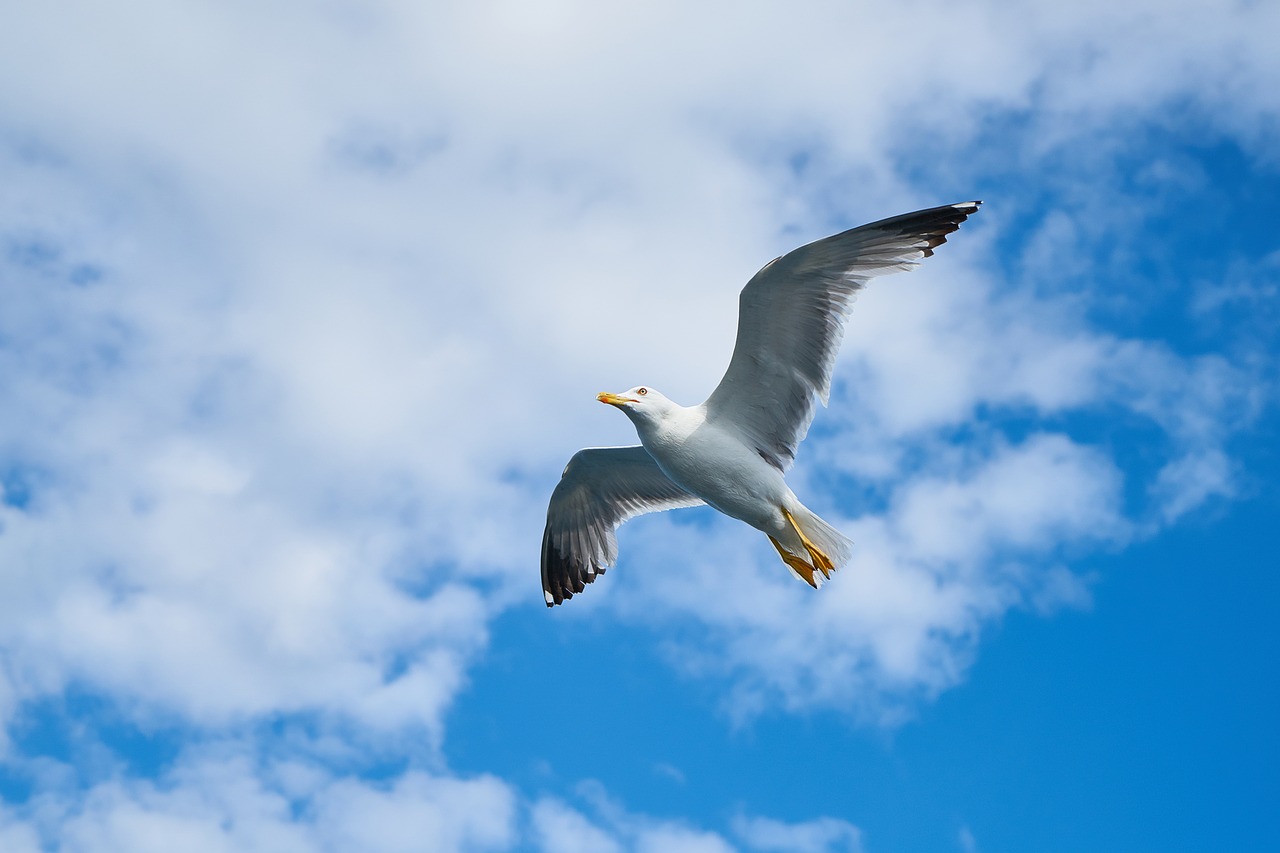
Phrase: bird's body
(733,450)
(711,460)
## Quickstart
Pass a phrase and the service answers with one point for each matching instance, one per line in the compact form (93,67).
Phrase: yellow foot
(799,566)
(820,560)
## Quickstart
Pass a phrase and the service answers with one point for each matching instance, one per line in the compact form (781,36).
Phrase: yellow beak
(612,399)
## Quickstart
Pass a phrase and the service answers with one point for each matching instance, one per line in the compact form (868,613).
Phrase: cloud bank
(304,309)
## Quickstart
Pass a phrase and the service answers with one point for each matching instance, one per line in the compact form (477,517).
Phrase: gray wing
(791,319)
(600,488)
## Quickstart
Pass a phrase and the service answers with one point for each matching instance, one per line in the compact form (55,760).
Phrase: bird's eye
(642,391)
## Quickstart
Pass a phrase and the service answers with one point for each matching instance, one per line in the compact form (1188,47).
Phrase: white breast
(716,465)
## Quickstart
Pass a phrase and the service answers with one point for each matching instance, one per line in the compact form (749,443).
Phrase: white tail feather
(828,540)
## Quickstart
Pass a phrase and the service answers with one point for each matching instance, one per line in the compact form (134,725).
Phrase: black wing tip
(933,224)
(563,576)
(570,582)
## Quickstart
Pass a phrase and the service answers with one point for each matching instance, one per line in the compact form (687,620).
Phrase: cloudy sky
(305,306)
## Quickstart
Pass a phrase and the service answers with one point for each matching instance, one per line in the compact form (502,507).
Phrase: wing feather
(791,318)
(600,488)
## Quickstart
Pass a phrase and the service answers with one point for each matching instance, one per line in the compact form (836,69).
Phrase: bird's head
(641,403)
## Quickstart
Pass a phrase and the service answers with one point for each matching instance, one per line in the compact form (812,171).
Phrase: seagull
(732,451)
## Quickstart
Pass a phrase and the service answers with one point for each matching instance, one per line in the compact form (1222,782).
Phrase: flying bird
(732,451)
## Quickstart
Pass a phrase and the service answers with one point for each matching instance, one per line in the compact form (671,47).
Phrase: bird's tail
(828,549)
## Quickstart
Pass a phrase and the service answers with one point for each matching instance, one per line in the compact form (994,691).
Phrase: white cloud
(669,838)
(419,812)
(1187,482)
(561,829)
(223,801)
(615,824)
(220,799)
(304,308)
(824,835)
(18,837)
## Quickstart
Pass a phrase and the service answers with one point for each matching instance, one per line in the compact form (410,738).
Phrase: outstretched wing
(600,488)
(791,319)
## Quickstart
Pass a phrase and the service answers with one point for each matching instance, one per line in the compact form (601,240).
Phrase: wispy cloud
(303,310)
(226,801)
(561,827)
(825,835)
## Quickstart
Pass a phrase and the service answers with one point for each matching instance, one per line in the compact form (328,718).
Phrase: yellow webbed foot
(799,566)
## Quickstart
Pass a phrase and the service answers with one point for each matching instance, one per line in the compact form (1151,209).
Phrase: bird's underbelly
(730,476)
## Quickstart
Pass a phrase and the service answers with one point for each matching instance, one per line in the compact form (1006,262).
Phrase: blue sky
(306,306)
